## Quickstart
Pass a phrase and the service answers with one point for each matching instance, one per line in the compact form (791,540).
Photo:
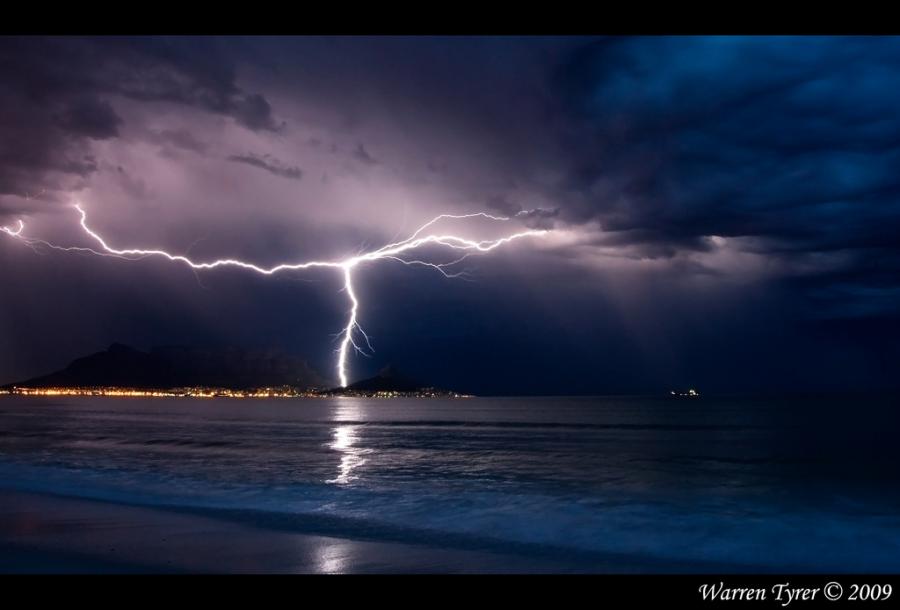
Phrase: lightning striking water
(394,251)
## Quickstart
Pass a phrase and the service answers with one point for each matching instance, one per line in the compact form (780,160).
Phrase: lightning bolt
(16,232)
(398,251)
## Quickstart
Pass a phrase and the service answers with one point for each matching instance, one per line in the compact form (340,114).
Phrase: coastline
(43,533)
(48,533)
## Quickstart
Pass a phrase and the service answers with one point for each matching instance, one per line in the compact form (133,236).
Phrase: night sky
(724,211)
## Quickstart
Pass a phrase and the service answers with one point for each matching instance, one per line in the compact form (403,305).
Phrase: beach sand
(54,534)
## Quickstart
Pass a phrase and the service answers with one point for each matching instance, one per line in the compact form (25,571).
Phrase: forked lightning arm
(394,251)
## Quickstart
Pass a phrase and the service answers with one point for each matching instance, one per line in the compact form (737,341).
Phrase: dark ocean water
(779,484)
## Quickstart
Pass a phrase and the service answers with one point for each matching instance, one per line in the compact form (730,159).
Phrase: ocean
(715,484)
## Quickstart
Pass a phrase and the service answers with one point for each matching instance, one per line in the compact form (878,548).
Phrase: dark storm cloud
(503,205)
(269,164)
(686,137)
(363,156)
(715,198)
(254,112)
(180,138)
(792,141)
(198,72)
(91,118)
(60,93)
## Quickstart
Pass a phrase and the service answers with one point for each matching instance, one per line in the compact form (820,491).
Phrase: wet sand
(54,534)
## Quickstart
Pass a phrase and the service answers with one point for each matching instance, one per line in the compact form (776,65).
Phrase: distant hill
(388,379)
(171,367)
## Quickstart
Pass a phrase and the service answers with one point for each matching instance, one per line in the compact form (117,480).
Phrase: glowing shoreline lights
(352,331)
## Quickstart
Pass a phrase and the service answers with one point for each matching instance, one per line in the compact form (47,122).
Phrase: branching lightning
(352,333)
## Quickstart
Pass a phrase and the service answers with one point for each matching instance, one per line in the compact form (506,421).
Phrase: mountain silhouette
(388,379)
(177,366)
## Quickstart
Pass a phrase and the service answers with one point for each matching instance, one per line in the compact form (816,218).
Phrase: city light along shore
(205,392)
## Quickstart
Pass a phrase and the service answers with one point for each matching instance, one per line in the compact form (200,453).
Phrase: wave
(655,532)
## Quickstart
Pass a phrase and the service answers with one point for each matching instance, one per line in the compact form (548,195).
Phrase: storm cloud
(721,208)
(59,94)
(790,144)
(269,164)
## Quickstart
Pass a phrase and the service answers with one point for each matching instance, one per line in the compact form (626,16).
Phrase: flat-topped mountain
(175,366)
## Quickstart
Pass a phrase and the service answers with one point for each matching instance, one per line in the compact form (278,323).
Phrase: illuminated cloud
(679,175)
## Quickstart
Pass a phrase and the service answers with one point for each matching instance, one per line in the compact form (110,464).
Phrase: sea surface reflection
(751,483)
